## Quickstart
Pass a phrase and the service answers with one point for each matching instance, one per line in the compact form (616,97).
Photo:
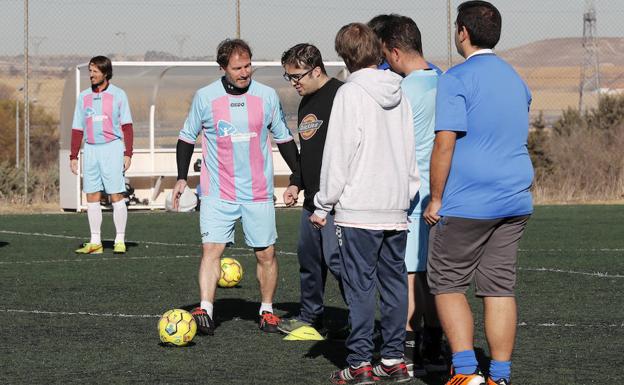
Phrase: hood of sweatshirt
(384,86)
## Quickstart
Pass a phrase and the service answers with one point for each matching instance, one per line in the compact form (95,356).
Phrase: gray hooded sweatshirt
(369,173)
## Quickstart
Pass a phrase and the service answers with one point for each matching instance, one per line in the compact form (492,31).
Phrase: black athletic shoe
(269,322)
(501,381)
(205,325)
(395,373)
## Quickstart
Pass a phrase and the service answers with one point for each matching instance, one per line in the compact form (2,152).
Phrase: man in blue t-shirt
(481,176)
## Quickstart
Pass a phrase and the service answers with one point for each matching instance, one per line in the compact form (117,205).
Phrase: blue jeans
(374,260)
(317,251)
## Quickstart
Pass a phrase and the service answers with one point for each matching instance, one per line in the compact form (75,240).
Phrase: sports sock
(500,369)
(207,305)
(94,213)
(465,362)
(412,344)
(266,307)
(120,217)
(391,361)
(363,363)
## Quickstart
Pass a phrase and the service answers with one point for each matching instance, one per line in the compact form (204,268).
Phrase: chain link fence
(542,39)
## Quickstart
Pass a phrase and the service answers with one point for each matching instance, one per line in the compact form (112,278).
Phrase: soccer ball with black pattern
(231,272)
(177,327)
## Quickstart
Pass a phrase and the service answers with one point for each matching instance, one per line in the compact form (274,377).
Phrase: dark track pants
(374,260)
(317,251)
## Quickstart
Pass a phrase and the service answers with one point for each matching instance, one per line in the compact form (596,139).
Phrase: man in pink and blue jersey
(233,117)
(102,117)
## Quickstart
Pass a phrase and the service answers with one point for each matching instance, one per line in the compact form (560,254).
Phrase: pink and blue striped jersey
(237,155)
(101,114)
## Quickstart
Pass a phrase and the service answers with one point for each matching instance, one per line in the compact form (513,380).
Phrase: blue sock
(465,362)
(500,369)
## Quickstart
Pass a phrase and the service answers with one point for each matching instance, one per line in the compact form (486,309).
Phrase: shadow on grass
(110,244)
(227,309)
(2,244)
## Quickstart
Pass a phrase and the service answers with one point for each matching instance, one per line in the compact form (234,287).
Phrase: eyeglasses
(296,77)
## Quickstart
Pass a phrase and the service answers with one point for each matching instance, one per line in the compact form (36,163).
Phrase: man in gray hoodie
(369,175)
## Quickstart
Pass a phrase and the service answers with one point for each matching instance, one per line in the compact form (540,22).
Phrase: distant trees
(581,158)
(44,149)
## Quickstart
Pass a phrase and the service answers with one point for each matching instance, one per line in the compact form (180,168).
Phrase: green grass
(570,294)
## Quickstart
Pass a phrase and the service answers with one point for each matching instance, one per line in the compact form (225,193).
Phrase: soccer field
(91,319)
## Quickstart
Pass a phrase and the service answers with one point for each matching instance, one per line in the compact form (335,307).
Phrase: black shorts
(486,249)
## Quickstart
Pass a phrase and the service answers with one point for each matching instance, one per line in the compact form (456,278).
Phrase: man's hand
(291,195)
(73,165)
(317,221)
(431,212)
(178,189)
(127,162)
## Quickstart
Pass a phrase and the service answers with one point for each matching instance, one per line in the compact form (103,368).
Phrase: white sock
(391,361)
(363,363)
(207,305)
(120,217)
(266,307)
(94,213)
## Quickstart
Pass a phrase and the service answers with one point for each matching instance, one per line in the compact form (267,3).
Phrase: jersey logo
(308,126)
(237,104)
(225,128)
(89,111)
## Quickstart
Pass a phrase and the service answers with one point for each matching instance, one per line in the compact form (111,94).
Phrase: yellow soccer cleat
(90,248)
(119,248)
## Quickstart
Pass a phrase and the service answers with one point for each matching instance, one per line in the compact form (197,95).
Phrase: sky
(195,27)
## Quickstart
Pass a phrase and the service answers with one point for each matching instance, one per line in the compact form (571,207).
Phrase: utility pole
(36,42)
(124,39)
(238,35)
(590,68)
(181,40)
(26,105)
(449,33)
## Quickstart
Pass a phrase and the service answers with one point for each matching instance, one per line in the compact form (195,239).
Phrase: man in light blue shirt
(402,48)
(481,176)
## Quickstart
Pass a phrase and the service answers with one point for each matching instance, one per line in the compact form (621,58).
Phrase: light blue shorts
(217,220)
(102,168)
(417,244)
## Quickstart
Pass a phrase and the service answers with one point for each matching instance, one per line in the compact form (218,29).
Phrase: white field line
(541,269)
(122,315)
(100,258)
(87,313)
(278,251)
(595,274)
(570,250)
(130,241)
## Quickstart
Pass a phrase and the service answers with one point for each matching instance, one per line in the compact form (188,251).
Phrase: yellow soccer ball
(177,327)
(231,272)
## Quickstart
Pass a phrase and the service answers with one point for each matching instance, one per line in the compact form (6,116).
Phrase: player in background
(317,249)
(376,24)
(402,47)
(102,111)
(233,117)
(481,175)
(369,176)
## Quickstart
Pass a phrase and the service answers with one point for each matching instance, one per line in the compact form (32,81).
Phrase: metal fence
(542,39)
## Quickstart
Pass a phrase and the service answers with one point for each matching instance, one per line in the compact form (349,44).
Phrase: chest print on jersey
(225,129)
(308,126)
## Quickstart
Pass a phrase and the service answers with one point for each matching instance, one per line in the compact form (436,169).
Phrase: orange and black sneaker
(475,378)
(269,322)
(205,325)
(362,375)
(500,381)
(396,373)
